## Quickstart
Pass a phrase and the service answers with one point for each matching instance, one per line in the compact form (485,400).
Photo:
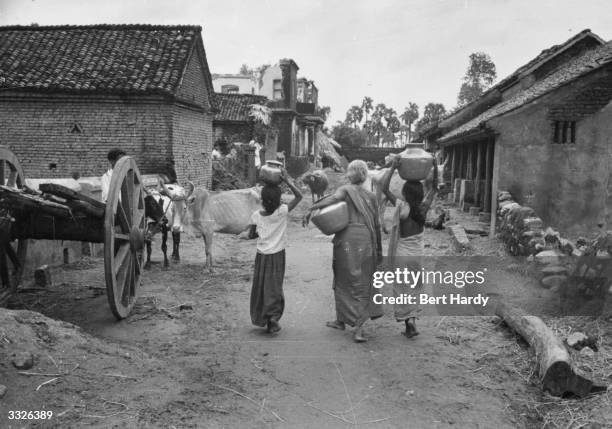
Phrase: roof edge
(148,27)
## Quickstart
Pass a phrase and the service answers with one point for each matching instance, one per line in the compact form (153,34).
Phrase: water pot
(415,164)
(271,172)
(331,219)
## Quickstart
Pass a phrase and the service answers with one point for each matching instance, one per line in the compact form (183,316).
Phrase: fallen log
(555,368)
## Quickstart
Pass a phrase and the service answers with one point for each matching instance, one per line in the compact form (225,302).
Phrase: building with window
(294,104)
(544,133)
(235,84)
(68,94)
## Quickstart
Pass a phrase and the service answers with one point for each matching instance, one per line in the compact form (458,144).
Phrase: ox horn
(164,189)
(190,188)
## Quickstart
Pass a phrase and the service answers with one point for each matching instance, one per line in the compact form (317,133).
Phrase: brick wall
(193,85)
(58,135)
(192,134)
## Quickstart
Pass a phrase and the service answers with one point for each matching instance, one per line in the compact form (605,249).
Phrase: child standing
(270,227)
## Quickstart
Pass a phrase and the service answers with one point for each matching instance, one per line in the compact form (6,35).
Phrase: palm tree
(410,115)
(366,105)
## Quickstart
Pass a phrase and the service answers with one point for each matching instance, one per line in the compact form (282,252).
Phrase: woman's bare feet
(358,335)
(273,326)
(411,330)
(336,324)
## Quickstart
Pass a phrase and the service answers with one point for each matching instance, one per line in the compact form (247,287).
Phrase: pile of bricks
(520,229)
(524,235)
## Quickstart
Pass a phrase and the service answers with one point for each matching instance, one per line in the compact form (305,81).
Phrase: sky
(394,51)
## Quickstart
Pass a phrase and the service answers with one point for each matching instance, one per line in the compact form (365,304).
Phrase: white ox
(227,212)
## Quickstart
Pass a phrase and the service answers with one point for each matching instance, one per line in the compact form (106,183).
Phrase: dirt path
(189,357)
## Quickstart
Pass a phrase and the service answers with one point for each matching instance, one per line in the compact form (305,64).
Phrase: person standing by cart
(113,156)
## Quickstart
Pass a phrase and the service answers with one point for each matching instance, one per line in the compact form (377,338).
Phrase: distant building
(544,133)
(235,84)
(71,93)
(232,123)
(294,104)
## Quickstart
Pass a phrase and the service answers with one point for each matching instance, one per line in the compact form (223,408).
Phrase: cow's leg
(176,239)
(207,234)
(148,263)
(164,245)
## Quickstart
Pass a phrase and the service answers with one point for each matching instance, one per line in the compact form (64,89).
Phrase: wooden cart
(59,213)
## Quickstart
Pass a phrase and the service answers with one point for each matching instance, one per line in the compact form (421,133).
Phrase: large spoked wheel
(124,232)
(12,253)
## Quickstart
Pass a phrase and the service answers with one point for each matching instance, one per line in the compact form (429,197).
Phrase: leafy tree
(348,136)
(479,76)
(354,116)
(366,106)
(324,112)
(378,127)
(432,113)
(246,70)
(410,115)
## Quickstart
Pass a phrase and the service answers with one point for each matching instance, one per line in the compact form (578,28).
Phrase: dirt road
(189,357)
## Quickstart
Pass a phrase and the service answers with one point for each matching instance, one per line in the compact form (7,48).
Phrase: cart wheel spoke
(121,237)
(4,272)
(124,220)
(12,254)
(139,219)
(127,195)
(129,280)
(121,256)
(12,179)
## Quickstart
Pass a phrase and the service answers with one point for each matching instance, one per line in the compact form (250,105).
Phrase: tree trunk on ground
(555,368)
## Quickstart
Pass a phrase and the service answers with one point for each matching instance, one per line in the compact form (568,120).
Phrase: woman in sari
(357,251)
(406,237)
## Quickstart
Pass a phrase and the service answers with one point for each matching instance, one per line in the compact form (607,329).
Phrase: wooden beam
(69,194)
(41,226)
(488,176)
(453,162)
(461,159)
(470,162)
(494,184)
(18,201)
(477,179)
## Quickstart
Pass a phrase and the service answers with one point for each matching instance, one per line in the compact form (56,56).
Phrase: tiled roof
(235,107)
(584,64)
(542,58)
(108,58)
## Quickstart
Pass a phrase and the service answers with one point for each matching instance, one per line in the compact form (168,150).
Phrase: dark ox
(317,182)
(161,211)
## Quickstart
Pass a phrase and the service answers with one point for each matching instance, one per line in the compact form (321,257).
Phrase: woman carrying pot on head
(357,252)
(406,237)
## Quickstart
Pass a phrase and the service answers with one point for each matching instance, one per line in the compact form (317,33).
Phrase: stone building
(70,93)
(544,133)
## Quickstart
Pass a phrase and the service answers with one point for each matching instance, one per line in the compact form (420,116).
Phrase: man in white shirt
(257,147)
(113,156)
